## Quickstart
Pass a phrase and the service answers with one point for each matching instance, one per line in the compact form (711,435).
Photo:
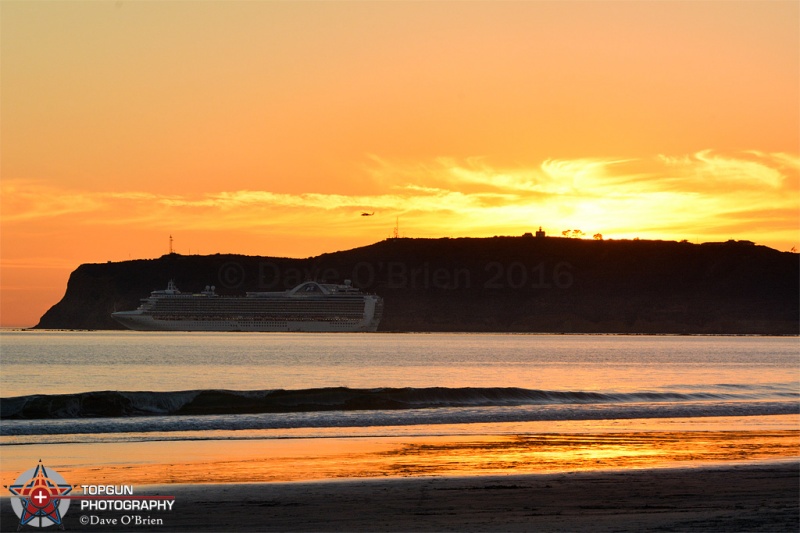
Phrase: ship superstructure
(310,306)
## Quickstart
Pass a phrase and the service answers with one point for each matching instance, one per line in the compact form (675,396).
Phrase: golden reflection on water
(547,453)
(306,459)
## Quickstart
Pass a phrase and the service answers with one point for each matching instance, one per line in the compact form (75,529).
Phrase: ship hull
(148,323)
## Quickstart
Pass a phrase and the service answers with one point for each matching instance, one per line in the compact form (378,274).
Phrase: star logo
(39,493)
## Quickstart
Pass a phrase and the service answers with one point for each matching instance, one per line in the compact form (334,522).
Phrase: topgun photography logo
(40,498)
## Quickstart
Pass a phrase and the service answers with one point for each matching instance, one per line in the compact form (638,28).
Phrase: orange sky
(268,127)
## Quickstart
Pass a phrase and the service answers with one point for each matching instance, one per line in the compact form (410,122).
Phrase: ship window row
(249,319)
(261,299)
(260,306)
(249,312)
(261,312)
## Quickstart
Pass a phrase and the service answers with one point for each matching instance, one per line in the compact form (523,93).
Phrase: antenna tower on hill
(170,245)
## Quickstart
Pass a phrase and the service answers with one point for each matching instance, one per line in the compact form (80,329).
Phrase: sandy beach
(741,497)
(597,480)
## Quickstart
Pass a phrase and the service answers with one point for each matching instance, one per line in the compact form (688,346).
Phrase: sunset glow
(267,128)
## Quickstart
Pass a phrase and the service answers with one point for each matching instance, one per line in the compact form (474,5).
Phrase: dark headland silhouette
(503,284)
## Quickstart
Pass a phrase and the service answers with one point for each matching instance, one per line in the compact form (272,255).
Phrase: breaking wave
(229,402)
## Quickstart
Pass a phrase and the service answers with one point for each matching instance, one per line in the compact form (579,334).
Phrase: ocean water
(89,387)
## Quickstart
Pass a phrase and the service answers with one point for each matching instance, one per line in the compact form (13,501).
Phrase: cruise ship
(310,306)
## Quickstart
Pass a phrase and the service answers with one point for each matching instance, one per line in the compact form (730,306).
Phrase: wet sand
(315,459)
(601,479)
(743,497)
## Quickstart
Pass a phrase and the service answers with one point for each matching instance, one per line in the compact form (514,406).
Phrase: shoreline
(307,458)
(757,496)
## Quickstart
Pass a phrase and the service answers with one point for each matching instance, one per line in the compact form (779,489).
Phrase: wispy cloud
(706,193)
(726,174)
(31,199)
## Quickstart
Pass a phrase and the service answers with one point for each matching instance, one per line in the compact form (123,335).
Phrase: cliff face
(520,284)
